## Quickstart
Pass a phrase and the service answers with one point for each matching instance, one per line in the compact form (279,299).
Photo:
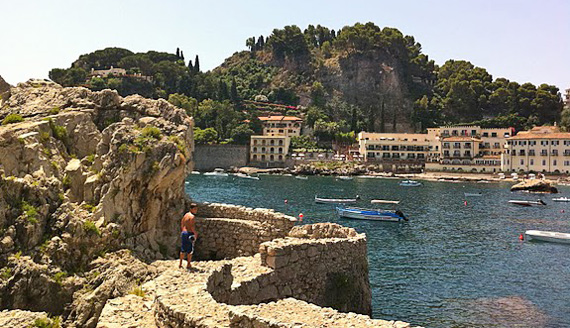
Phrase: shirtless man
(189,235)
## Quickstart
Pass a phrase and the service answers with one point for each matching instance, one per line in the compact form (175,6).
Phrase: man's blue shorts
(187,242)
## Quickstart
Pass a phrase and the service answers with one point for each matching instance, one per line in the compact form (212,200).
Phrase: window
(522,161)
(271,158)
(255,157)
(272,142)
(263,149)
(554,162)
(473,132)
(522,153)
(280,142)
(566,163)
(543,162)
(485,134)
(255,149)
(272,150)
(280,150)
(531,161)
(255,142)
(554,152)
(493,134)
(263,142)
(280,157)
(446,153)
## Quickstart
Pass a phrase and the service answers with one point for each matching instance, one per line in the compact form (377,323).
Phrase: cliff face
(85,173)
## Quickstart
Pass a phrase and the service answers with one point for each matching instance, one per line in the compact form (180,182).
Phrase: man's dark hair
(193,205)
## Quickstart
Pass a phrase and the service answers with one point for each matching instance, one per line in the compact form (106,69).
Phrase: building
(269,150)
(106,72)
(542,149)
(278,125)
(470,148)
(397,151)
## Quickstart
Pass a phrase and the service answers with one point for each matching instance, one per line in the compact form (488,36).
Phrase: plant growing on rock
(90,227)
(54,322)
(59,276)
(30,212)
(5,273)
(138,291)
(12,118)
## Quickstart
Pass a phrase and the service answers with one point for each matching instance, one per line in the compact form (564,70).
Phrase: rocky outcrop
(542,186)
(86,173)
(4,89)
(26,319)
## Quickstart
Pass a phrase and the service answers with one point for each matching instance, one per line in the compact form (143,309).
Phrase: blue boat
(371,214)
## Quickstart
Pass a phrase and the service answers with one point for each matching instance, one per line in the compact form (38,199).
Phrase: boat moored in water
(320,200)
(561,199)
(246,176)
(472,194)
(302,177)
(217,173)
(344,177)
(410,183)
(371,214)
(550,236)
(539,202)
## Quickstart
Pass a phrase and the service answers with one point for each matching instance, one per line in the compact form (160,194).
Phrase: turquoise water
(452,265)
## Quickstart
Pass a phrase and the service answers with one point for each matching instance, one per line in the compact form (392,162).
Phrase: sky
(522,40)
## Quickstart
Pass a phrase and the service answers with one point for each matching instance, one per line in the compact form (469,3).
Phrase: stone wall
(209,157)
(228,231)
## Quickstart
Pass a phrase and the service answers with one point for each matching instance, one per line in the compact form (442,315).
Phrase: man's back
(187,223)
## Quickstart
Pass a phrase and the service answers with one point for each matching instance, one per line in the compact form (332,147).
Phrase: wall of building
(209,157)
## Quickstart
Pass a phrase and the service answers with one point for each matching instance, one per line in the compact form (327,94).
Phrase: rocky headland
(539,186)
(91,193)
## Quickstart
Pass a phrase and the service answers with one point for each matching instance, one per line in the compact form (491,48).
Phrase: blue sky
(524,41)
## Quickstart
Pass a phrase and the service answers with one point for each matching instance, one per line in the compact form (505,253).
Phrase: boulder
(543,186)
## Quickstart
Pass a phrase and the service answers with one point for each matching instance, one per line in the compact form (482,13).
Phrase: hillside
(361,77)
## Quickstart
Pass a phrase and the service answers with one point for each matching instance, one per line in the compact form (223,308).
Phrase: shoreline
(425,176)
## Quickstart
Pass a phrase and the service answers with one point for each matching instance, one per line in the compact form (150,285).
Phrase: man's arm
(193,227)
(182,228)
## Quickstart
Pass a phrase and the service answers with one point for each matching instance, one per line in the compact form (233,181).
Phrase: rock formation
(543,186)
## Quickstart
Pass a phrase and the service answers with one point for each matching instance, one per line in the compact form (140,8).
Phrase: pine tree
(177,52)
(196,65)
(190,66)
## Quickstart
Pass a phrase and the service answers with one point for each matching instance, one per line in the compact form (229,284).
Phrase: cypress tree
(233,91)
(190,66)
(177,52)
(182,55)
(196,65)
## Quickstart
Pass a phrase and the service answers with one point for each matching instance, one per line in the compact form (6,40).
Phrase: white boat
(246,176)
(371,214)
(302,177)
(217,173)
(561,199)
(472,194)
(483,181)
(344,177)
(382,201)
(527,202)
(551,236)
(410,183)
(196,172)
(319,200)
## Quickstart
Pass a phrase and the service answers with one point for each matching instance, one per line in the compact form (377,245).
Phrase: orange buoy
(521,237)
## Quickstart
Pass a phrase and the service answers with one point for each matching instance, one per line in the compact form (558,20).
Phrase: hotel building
(271,148)
(542,149)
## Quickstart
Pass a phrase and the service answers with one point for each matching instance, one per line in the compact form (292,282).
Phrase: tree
(190,66)
(205,136)
(177,52)
(196,65)
(565,119)
(250,43)
(189,104)
(241,134)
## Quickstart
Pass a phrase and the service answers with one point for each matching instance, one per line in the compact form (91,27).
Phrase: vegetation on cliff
(361,77)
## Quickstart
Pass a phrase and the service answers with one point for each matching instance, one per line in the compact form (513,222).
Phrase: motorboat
(320,200)
(344,177)
(217,173)
(302,177)
(371,214)
(483,181)
(196,172)
(246,176)
(410,183)
(472,194)
(550,236)
(561,199)
(527,202)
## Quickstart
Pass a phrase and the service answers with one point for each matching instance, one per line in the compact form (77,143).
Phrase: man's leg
(181,258)
(189,260)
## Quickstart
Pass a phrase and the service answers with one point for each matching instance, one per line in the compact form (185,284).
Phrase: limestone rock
(543,186)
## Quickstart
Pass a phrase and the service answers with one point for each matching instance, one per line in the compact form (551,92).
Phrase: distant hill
(361,77)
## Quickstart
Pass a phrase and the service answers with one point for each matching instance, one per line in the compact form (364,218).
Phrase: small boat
(371,214)
(382,201)
(472,194)
(319,200)
(483,181)
(561,199)
(527,202)
(302,177)
(217,173)
(551,236)
(344,177)
(246,176)
(196,172)
(410,183)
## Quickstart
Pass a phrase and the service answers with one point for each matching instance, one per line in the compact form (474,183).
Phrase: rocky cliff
(83,174)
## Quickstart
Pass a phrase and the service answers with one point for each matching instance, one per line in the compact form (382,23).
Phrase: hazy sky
(522,40)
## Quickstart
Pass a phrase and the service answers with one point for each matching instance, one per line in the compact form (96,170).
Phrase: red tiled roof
(461,138)
(527,135)
(279,118)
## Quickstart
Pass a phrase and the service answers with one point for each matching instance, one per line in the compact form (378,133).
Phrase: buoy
(521,237)
(301,216)
(465,202)
(561,211)
(286,201)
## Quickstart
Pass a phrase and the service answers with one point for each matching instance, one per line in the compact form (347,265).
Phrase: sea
(457,262)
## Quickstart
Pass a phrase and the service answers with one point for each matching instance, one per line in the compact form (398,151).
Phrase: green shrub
(152,132)
(59,132)
(178,142)
(89,207)
(137,291)
(59,276)
(18,255)
(12,118)
(90,159)
(5,273)
(54,111)
(30,211)
(44,136)
(90,227)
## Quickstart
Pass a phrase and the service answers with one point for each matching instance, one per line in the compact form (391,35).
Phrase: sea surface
(454,264)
